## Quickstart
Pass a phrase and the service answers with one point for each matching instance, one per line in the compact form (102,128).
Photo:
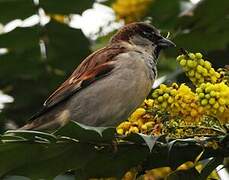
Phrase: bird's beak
(165,43)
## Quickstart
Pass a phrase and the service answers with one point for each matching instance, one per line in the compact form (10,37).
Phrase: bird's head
(143,35)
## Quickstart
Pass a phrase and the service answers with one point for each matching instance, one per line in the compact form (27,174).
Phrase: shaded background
(36,58)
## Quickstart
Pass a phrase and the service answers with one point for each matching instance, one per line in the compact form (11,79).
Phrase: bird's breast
(111,99)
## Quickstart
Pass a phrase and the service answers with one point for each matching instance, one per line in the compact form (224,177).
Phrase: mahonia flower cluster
(197,69)
(178,111)
(178,101)
(141,121)
(131,10)
(214,97)
(164,96)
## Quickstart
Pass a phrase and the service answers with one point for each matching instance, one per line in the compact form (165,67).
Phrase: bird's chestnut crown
(144,30)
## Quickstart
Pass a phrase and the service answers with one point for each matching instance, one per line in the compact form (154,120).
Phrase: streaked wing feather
(94,67)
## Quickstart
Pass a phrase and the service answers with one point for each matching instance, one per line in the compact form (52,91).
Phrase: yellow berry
(190,63)
(207,65)
(173,92)
(191,55)
(120,131)
(207,96)
(166,96)
(191,73)
(216,105)
(180,57)
(133,129)
(183,62)
(199,55)
(160,99)
(221,101)
(204,102)
(199,90)
(212,101)
(221,109)
(149,125)
(149,102)
(144,127)
(194,113)
(170,100)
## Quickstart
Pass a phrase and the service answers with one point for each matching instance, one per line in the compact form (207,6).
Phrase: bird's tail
(41,124)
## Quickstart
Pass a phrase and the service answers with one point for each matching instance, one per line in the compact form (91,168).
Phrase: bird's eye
(145,33)
(151,36)
(148,35)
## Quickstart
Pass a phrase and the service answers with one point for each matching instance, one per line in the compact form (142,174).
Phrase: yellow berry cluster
(141,121)
(197,69)
(214,97)
(131,10)
(178,101)
(164,96)
(186,104)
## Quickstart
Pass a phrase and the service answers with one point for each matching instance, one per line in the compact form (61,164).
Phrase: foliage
(87,149)
(27,69)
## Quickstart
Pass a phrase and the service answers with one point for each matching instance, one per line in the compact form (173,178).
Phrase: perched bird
(109,84)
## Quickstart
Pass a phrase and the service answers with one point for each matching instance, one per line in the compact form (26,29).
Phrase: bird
(109,84)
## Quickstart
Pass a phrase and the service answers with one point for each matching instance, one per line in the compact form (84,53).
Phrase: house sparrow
(109,84)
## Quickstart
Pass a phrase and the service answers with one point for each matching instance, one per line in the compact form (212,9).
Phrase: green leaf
(189,174)
(205,13)
(65,7)
(142,139)
(25,64)
(210,166)
(15,9)
(20,38)
(53,159)
(38,158)
(172,147)
(164,13)
(8,138)
(108,2)
(66,48)
(85,133)
(205,26)
(32,135)
(111,163)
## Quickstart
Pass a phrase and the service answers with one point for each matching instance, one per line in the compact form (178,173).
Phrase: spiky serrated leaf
(85,133)
(32,135)
(210,166)
(143,139)
(7,138)
(91,154)
(189,174)
(182,142)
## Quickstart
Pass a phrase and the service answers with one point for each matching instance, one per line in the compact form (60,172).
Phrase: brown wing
(94,67)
